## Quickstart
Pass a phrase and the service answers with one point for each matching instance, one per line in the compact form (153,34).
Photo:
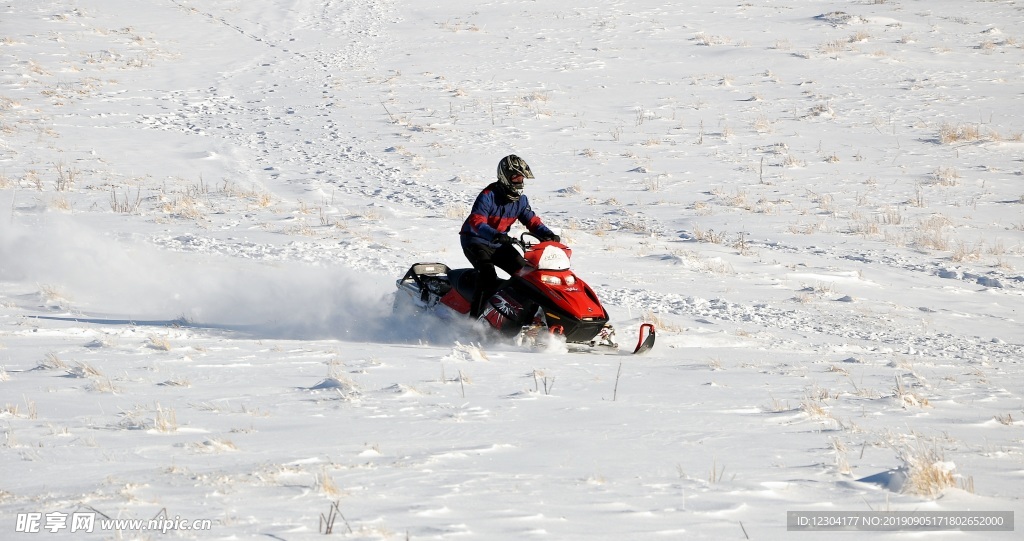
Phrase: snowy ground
(204,206)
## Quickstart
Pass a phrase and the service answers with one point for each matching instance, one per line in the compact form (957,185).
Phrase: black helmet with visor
(512,174)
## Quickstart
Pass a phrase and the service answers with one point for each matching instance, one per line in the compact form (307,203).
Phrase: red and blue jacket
(493,213)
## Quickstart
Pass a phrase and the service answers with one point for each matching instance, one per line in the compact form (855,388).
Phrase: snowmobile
(544,297)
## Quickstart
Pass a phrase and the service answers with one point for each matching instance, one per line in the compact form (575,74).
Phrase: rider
(484,234)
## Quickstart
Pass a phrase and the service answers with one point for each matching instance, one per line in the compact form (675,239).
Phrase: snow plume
(91,273)
(409,324)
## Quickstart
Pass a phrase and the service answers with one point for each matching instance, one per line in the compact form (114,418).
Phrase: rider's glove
(552,237)
(502,238)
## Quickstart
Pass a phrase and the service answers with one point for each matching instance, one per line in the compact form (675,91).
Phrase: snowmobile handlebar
(524,243)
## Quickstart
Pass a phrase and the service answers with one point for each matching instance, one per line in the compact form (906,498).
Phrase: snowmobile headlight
(570,280)
(551,279)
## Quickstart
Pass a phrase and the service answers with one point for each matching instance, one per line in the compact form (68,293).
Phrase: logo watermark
(909,521)
(93,521)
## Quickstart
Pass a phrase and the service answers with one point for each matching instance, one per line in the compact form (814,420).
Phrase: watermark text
(91,521)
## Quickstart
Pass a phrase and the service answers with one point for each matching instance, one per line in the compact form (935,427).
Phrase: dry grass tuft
(946,176)
(928,474)
(931,233)
(214,445)
(842,464)
(166,419)
(160,343)
(908,398)
(52,362)
(1005,419)
(762,124)
(661,323)
(959,133)
(84,370)
(707,40)
(324,484)
(963,251)
(709,235)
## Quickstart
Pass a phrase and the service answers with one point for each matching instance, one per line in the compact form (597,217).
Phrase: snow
(204,207)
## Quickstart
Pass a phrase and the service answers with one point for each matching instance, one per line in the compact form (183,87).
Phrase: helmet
(512,172)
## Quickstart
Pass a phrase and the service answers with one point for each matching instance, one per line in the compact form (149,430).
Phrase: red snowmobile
(545,296)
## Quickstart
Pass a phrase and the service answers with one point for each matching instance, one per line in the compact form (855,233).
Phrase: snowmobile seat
(464,281)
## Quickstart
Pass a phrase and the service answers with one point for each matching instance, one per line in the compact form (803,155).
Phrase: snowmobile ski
(643,345)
